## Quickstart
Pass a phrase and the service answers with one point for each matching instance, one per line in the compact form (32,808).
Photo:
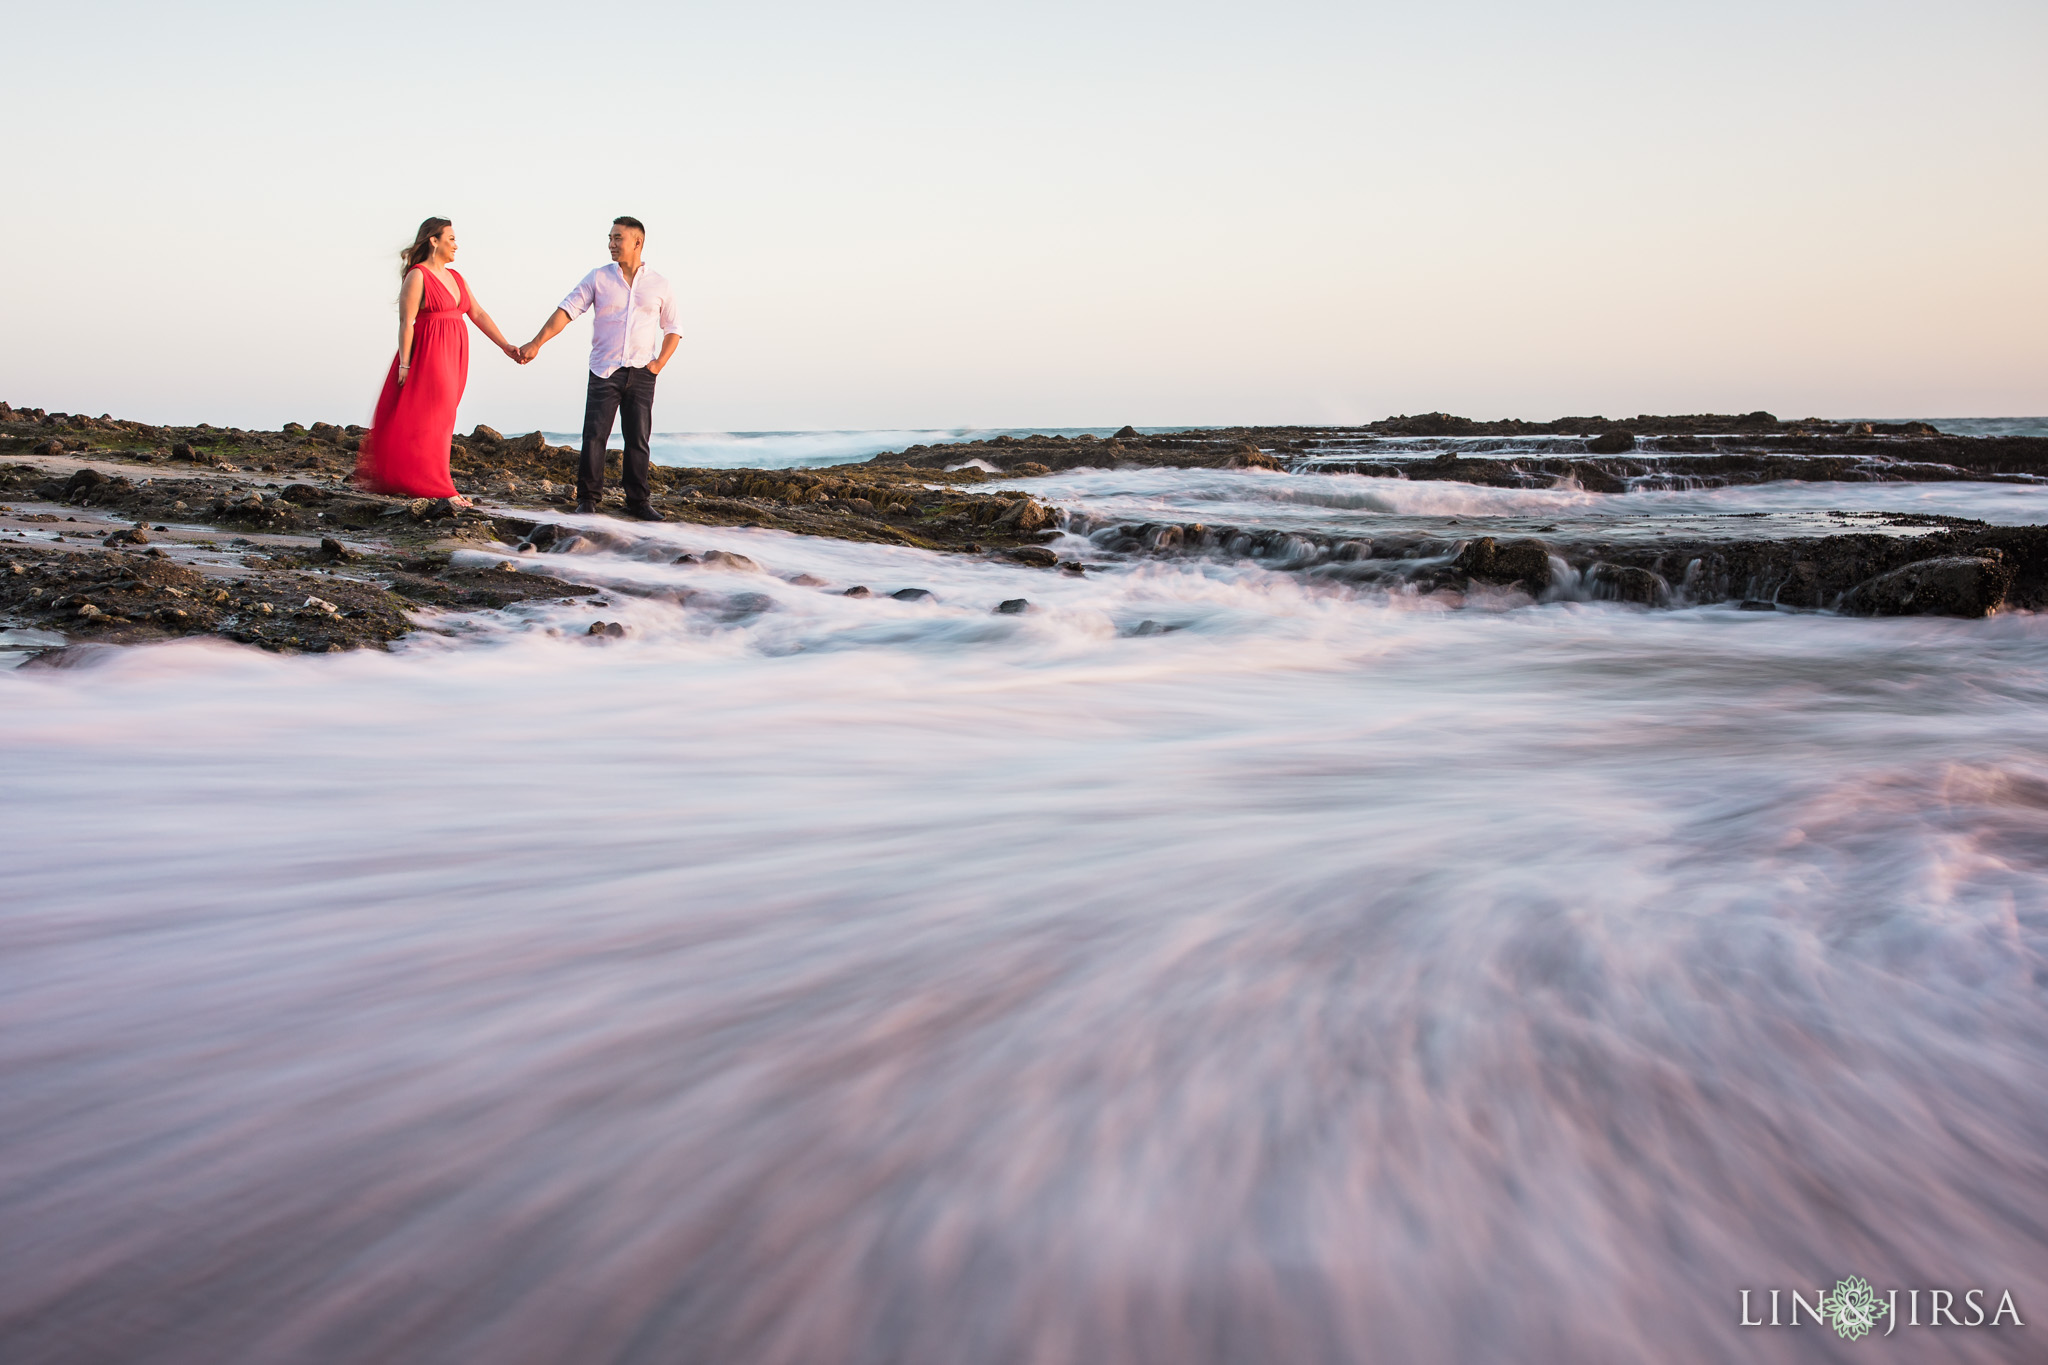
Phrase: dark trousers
(629,393)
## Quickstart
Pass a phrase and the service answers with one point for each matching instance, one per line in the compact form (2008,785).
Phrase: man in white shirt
(635,313)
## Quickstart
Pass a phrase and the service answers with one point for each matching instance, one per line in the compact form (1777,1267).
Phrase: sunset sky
(1047,214)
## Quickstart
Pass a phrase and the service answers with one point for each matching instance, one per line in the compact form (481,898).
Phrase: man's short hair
(633,223)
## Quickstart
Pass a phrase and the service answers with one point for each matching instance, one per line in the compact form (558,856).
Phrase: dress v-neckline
(455,293)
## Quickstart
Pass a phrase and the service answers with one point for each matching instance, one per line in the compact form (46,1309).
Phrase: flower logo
(1853,1308)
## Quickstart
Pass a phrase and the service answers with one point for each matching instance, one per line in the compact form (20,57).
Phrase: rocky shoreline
(259,537)
(1600,456)
(119,532)
(1963,568)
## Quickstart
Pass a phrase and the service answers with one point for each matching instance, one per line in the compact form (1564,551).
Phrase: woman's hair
(422,244)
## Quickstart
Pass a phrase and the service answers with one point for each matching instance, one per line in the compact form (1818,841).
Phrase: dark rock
(1026,515)
(1125,433)
(1956,585)
(486,434)
(740,605)
(1612,443)
(1027,469)
(725,559)
(1594,479)
(334,549)
(1037,556)
(83,481)
(1015,606)
(911,594)
(684,559)
(856,591)
(1752,604)
(129,537)
(1525,561)
(1626,583)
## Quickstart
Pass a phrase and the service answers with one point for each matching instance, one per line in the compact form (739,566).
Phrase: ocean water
(1204,964)
(810,449)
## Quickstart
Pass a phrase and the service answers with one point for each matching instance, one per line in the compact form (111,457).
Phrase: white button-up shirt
(631,319)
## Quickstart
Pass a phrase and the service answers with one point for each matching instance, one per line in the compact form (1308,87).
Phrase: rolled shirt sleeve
(578,300)
(671,320)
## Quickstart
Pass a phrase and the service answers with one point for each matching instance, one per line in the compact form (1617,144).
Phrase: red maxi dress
(406,452)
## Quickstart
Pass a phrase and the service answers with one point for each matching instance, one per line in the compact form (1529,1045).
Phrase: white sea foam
(1312,976)
(1353,504)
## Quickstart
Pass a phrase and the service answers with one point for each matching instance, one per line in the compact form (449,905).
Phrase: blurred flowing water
(1205,965)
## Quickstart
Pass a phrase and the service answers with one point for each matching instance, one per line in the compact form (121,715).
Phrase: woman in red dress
(406,452)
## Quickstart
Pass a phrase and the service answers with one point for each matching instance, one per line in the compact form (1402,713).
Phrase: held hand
(512,352)
(528,351)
